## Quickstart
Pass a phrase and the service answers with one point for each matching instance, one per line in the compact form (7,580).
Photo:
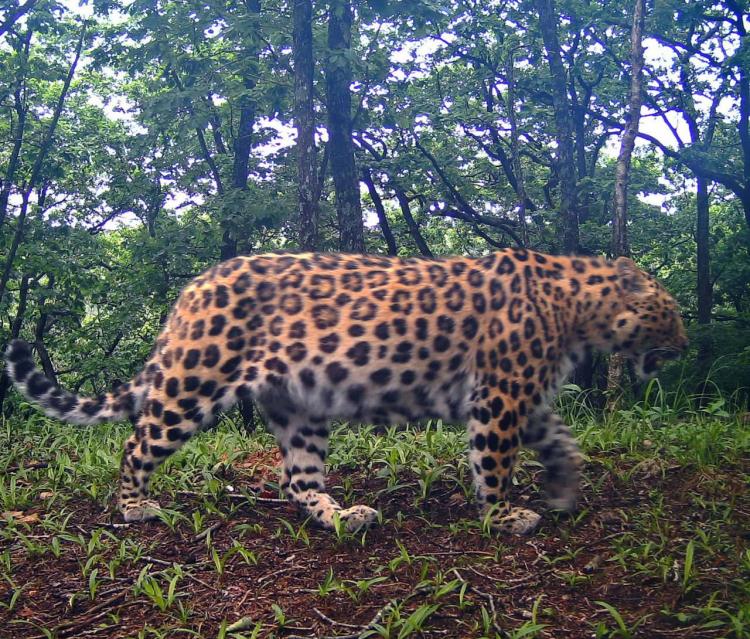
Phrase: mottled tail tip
(17,351)
(20,361)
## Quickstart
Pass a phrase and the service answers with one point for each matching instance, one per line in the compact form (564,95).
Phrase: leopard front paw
(519,521)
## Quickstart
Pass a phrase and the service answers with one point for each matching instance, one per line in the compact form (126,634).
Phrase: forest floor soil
(632,562)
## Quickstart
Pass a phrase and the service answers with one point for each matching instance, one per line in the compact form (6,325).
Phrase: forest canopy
(143,141)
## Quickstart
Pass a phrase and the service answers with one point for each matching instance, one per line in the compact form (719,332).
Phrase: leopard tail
(124,402)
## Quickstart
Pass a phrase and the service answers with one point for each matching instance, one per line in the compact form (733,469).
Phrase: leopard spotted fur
(316,337)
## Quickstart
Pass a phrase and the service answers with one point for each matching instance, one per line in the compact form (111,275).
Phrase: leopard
(318,338)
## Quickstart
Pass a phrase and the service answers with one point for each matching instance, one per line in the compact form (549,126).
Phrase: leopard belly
(444,397)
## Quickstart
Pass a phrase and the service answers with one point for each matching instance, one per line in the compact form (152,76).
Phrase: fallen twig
(153,560)
(242,624)
(375,620)
(205,533)
(593,542)
(32,466)
(490,599)
(96,612)
(274,574)
(89,620)
(333,622)
(481,553)
(532,578)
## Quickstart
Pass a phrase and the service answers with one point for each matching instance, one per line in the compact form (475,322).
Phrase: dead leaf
(457,499)
(593,565)
(18,516)
(648,468)
(610,517)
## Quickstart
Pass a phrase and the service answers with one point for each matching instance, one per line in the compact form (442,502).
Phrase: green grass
(665,508)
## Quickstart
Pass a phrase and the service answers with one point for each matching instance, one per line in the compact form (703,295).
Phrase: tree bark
(8,268)
(212,166)
(240,167)
(215,122)
(338,94)
(520,187)
(16,14)
(199,132)
(620,245)
(304,121)
(243,143)
(377,202)
(740,11)
(411,223)
(704,285)
(548,19)
(243,140)
(12,164)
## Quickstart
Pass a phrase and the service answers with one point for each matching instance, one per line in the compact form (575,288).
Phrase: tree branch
(14,16)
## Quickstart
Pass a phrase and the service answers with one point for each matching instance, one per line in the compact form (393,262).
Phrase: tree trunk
(705,289)
(304,121)
(228,247)
(548,20)
(620,244)
(215,122)
(740,13)
(41,349)
(200,134)
(339,99)
(243,143)
(377,202)
(411,223)
(16,14)
(583,375)
(520,187)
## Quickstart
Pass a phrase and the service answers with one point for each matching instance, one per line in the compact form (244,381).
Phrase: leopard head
(648,329)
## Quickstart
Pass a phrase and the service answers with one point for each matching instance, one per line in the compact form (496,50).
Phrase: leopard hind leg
(173,411)
(304,446)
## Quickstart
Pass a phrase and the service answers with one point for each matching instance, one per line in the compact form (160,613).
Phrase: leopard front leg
(546,433)
(304,446)
(493,448)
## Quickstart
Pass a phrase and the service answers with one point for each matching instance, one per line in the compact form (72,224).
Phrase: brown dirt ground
(565,563)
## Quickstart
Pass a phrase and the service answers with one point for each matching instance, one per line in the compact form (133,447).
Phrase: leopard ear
(632,278)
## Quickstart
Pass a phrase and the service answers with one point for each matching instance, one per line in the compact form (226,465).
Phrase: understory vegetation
(658,548)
